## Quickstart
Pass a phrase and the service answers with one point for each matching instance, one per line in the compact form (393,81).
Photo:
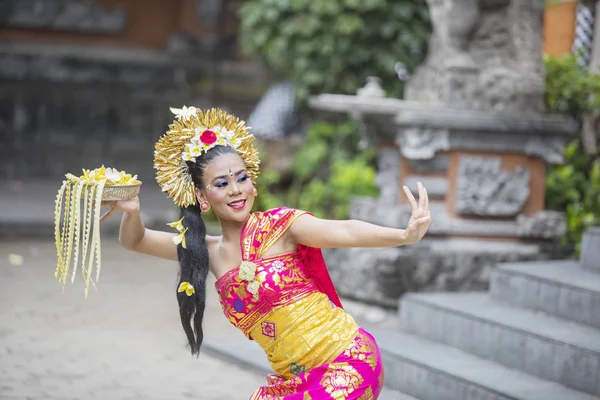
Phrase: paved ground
(123,342)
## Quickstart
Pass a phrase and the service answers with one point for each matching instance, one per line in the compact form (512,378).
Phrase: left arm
(314,232)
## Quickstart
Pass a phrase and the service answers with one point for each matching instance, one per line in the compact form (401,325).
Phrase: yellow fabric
(310,331)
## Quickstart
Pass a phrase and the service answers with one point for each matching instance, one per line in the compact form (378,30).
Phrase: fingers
(421,190)
(410,197)
(108,213)
(418,223)
(424,220)
(105,204)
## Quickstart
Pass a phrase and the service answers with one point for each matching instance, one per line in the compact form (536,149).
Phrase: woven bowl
(120,192)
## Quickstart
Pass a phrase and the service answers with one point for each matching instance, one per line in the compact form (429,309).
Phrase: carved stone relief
(422,143)
(83,16)
(545,224)
(484,188)
(484,54)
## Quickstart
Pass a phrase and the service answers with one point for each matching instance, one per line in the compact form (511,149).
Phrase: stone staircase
(534,336)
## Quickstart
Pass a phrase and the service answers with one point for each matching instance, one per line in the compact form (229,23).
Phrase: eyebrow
(225,176)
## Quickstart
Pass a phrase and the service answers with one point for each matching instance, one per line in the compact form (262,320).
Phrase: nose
(235,189)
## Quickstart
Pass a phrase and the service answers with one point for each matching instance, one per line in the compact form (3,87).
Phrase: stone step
(541,345)
(561,288)
(433,371)
(389,394)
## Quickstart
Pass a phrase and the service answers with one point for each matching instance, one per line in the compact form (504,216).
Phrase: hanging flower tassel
(77,222)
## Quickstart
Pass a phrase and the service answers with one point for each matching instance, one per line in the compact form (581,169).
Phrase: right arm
(134,236)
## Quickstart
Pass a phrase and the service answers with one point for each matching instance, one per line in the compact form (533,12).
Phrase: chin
(239,215)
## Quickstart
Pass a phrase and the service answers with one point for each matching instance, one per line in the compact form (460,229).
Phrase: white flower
(247,271)
(187,156)
(235,142)
(180,239)
(253,287)
(196,150)
(184,112)
(112,174)
(277,266)
(198,131)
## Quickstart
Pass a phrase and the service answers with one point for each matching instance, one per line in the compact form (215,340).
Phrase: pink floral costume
(316,349)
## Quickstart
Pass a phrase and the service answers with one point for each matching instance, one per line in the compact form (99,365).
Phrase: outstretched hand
(421,218)
(127,206)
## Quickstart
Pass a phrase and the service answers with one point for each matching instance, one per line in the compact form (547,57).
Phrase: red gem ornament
(208,137)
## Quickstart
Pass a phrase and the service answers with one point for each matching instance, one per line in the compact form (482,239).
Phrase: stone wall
(147,24)
(63,108)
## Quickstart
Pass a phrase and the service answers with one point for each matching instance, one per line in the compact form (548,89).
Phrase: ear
(200,195)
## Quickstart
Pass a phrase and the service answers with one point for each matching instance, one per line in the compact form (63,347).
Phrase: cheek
(249,188)
(216,196)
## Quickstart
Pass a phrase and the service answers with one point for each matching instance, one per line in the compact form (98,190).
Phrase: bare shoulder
(306,221)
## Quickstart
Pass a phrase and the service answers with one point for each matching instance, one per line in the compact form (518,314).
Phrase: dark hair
(193,260)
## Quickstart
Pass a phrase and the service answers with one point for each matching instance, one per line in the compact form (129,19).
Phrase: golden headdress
(192,133)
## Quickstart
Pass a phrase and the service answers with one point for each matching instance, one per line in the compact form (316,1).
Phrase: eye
(221,184)
(243,177)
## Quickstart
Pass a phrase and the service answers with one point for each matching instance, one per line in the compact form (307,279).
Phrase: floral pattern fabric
(313,345)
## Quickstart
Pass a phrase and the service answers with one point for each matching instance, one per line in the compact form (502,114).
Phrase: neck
(231,231)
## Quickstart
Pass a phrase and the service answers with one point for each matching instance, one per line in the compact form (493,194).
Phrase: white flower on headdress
(184,112)
(234,142)
(197,132)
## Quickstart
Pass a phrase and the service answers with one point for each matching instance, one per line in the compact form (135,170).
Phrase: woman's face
(228,188)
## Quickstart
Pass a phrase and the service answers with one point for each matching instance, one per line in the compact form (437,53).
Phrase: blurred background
(493,104)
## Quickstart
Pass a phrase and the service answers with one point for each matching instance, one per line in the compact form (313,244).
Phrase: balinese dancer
(271,279)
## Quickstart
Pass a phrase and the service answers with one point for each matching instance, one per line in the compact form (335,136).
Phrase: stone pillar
(590,249)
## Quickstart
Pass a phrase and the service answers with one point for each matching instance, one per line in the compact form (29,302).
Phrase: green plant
(574,186)
(333,45)
(570,89)
(330,169)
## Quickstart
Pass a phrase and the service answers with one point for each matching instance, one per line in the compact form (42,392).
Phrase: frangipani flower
(111,176)
(180,239)
(205,139)
(177,225)
(127,179)
(15,259)
(186,287)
